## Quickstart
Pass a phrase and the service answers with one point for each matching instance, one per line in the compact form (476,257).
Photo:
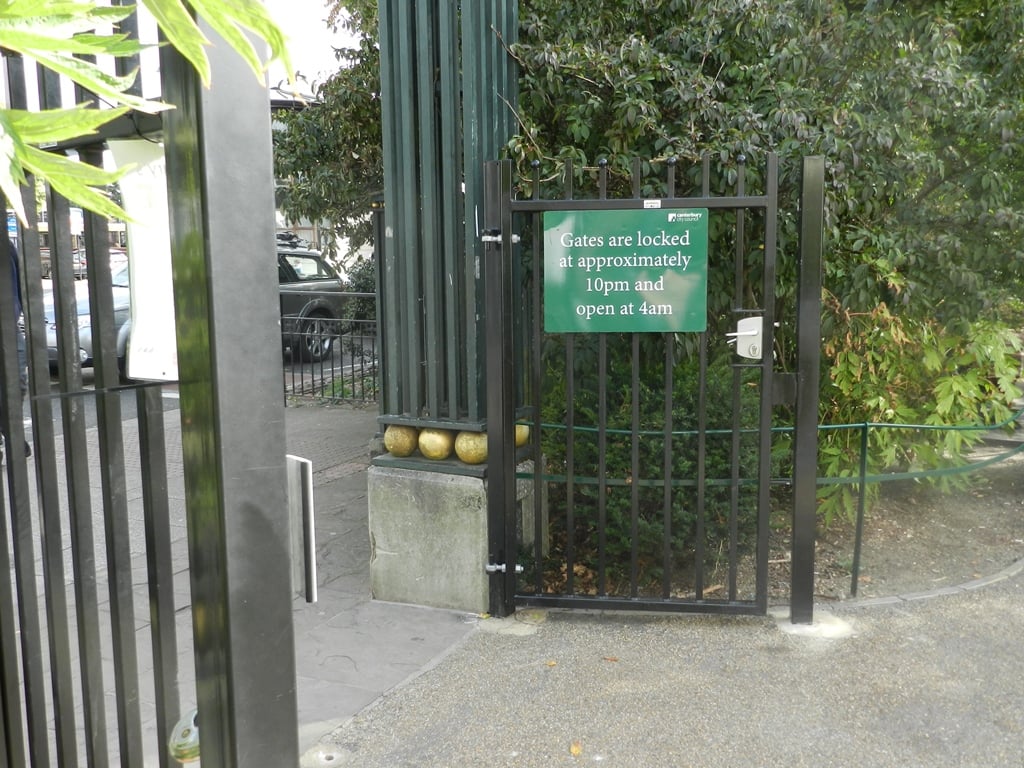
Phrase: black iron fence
(1006,433)
(333,358)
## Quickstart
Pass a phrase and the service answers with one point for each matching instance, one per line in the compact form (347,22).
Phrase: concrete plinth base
(428,537)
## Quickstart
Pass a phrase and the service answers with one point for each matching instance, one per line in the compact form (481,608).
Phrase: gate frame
(499,254)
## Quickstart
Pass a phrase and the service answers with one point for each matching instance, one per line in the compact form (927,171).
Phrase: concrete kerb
(1009,572)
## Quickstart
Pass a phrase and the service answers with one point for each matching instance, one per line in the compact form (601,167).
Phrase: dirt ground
(917,538)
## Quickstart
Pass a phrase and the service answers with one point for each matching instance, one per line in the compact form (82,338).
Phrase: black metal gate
(648,480)
(144,558)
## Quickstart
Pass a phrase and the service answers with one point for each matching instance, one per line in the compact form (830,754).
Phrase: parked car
(79,263)
(311,304)
(122,315)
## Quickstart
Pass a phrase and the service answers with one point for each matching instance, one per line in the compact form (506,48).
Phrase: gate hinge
(501,568)
(494,236)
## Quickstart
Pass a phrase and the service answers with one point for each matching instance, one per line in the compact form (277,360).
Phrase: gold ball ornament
(522,435)
(400,440)
(437,444)
(471,447)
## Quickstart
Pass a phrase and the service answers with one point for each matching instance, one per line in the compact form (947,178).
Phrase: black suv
(311,303)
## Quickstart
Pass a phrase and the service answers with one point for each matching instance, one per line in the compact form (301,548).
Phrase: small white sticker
(652,203)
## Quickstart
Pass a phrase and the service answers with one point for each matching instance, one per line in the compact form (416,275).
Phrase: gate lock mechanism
(501,568)
(749,337)
(494,236)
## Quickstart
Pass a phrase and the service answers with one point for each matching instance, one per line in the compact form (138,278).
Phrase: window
(307,267)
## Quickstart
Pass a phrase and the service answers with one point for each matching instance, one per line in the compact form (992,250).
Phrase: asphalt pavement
(930,679)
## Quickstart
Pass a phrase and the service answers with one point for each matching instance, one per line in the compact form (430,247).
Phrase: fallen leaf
(611,658)
(575,749)
(551,662)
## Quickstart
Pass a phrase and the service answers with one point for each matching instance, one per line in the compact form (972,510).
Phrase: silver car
(122,315)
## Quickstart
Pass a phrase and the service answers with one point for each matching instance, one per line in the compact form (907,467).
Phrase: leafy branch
(60,36)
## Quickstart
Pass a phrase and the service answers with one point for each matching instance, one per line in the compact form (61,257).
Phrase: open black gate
(654,451)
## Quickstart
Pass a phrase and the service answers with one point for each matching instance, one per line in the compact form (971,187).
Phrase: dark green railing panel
(443,115)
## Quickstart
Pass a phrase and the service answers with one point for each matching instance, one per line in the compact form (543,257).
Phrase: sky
(310,41)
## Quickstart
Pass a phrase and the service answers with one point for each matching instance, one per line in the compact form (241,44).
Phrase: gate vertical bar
(449,153)
(23,631)
(602,463)
(805,440)
(159,562)
(407,205)
(389,270)
(431,252)
(501,463)
(764,475)
(635,479)
(220,195)
(386,384)
(666,553)
(536,382)
(474,116)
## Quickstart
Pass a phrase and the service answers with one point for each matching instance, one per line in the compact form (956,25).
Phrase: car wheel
(316,338)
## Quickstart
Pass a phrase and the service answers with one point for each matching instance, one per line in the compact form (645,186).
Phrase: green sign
(626,270)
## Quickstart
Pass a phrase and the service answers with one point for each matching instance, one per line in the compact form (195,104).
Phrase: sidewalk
(930,684)
(351,650)
(929,681)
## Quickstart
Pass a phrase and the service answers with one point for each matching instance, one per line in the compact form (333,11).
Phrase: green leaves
(54,32)
(229,18)
(328,157)
(20,130)
(61,36)
(919,115)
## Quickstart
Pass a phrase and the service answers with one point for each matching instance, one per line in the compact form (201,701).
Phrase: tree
(60,35)
(329,155)
(922,135)
(918,109)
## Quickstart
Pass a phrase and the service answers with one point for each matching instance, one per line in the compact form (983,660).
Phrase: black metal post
(501,457)
(859,527)
(221,197)
(805,442)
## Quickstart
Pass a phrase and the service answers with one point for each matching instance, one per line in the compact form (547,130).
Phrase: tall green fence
(448,92)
